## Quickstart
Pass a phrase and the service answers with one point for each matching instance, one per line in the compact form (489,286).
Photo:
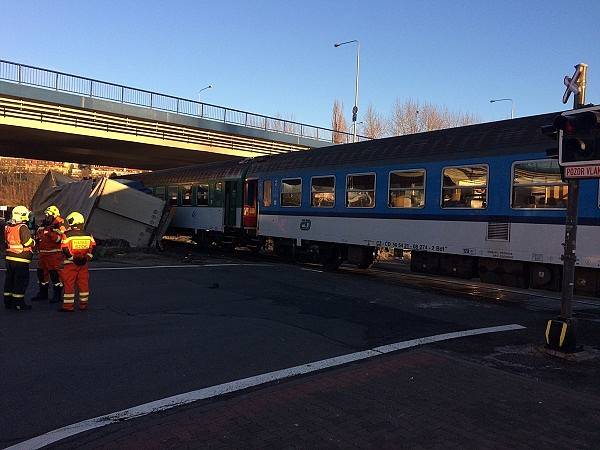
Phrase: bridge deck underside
(54,146)
(39,130)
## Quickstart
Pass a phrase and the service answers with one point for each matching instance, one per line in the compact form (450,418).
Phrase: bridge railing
(64,82)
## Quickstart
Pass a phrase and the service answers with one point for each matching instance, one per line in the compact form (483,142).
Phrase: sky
(277,57)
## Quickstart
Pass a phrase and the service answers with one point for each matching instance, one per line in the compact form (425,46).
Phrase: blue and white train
(483,200)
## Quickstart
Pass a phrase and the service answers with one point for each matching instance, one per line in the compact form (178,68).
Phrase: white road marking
(311,270)
(444,337)
(178,266)
(238,385)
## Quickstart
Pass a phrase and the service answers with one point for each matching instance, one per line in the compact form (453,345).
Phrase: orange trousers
(75,277)
(48,263)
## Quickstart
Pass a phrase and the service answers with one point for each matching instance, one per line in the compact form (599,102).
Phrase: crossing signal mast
(578,132)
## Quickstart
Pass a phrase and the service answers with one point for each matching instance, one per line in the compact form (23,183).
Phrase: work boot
(42,294)
(22,306)
(56,294)
(8,302)
(67,307)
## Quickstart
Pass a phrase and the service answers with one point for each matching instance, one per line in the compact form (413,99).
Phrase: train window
(186,195)
(159,192)
(267,189)
(537,184)
(465,187)
(215,194)
(250,193)
(291,192)
(322,192)
(202,195)
(407,189)
(360,190)
(172,195)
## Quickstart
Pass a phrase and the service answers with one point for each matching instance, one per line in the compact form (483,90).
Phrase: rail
(64,82)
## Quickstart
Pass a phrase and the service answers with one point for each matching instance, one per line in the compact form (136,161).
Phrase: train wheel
(425,262)
(458,266)
(201,239)
(365,264)
(331,259)
(255,245)
(545,276)
(587,281)
(361,256)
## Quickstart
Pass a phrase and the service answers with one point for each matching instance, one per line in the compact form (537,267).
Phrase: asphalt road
(156,332)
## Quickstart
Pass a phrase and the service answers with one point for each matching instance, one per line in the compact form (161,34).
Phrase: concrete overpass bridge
(56,116)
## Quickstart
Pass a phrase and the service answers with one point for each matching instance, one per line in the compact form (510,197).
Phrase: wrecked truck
(116,214)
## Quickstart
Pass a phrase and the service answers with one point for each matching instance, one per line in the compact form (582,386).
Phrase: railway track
(532,299)
(398,274)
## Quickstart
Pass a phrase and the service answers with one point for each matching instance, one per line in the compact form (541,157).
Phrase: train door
(231,203)
(250,199)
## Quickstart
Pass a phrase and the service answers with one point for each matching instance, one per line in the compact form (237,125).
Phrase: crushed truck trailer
(114,212)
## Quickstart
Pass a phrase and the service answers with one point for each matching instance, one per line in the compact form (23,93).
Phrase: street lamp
(200,104)
(203,89)
(512,105)
(355,109)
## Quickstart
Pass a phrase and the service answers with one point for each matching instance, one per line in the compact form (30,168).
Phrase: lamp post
(200,104)
(512,105)
(355,109)
(358,124)
(203,89)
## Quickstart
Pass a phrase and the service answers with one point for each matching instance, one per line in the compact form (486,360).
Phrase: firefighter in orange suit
(77,247)
(19,251)
(49,237)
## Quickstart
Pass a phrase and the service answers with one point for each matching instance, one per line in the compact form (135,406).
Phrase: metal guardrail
(64,82)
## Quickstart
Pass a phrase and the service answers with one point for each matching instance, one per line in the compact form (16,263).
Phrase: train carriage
(483,200)
(212,202)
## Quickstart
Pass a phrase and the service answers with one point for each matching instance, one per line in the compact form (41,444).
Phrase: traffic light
(579,136)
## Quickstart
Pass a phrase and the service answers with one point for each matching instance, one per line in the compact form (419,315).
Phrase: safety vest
(50,237)
(15,249)
(77,246)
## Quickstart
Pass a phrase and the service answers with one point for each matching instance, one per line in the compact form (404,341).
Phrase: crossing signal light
(579,136)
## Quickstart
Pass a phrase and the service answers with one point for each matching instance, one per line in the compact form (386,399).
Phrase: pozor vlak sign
(582,171)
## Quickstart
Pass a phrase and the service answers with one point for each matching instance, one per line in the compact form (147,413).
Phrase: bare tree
(433,117)
(410,117)
(374,124)
(338,123)
(17,187)
(405,118)
(289,126)
(464,119)
(276,123)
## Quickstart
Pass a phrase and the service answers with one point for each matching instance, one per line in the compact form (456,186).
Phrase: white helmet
(20,214)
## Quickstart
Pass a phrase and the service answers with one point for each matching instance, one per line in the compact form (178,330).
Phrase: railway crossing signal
(578,149)
(573,83)
(579,137)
